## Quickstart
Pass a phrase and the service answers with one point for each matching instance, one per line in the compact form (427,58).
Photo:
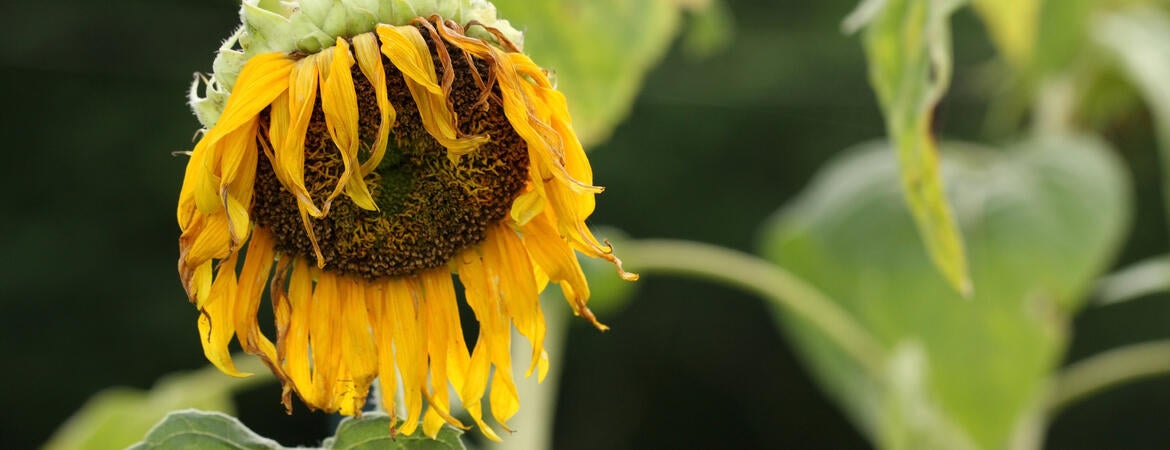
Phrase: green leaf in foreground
(600,50)
(372,432)
(1043,219)
(908,45)
(199,430)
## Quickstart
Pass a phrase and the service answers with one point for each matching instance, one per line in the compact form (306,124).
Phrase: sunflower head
(357,156)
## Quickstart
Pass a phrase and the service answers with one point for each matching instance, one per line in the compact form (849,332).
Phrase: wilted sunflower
(357,155)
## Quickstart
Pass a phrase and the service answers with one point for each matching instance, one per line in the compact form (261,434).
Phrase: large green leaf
(1042,220)
(198,430)
(908,45)
(600,50)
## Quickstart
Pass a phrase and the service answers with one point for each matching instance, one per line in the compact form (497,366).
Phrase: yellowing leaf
(908,43)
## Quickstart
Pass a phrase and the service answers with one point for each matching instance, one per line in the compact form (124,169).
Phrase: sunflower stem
(765,279)
(1111,368)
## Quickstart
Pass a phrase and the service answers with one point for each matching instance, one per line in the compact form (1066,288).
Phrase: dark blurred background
(94,104)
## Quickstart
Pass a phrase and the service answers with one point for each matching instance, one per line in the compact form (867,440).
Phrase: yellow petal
(215,320)
(446,349)
(290,147)
(369,59)
(325,339)
(377,307)
(253,278)
(405,48)
(237,185)
(339,103)
(294,347)
(527,206)
(495,336)
(282,312)
(555,258)
(211,240)
(263,78)
(409,346)
(505,256)
(360,354)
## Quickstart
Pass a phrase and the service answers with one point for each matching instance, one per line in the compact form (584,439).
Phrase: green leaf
(199,430)
(600,51)
(372,432)
(908,44)
(1139,37)
(1043,218)
(117,417)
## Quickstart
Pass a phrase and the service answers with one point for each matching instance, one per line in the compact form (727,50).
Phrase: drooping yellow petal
(530,120)
(205,190)
(278,123)
(405,48)
(446,348)
(262,79)
(239,175)
(409,347)
(377,308)
(210,239)
(198,283)
(215,320)
(282,312)
(360,353)
(369,60)
(339,103)
(325,334)
(504,255)
(553,256)
(478,371)
(253,278)
(495,335)
(290,147)
(293,343)
(308,226)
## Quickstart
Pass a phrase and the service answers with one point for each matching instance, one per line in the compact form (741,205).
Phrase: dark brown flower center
(429,207)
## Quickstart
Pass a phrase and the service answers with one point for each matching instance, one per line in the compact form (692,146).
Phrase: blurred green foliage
(1042,218)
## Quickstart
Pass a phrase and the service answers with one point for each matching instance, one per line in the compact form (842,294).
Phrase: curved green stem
(765,279)
(1109,369)
(1149,276)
